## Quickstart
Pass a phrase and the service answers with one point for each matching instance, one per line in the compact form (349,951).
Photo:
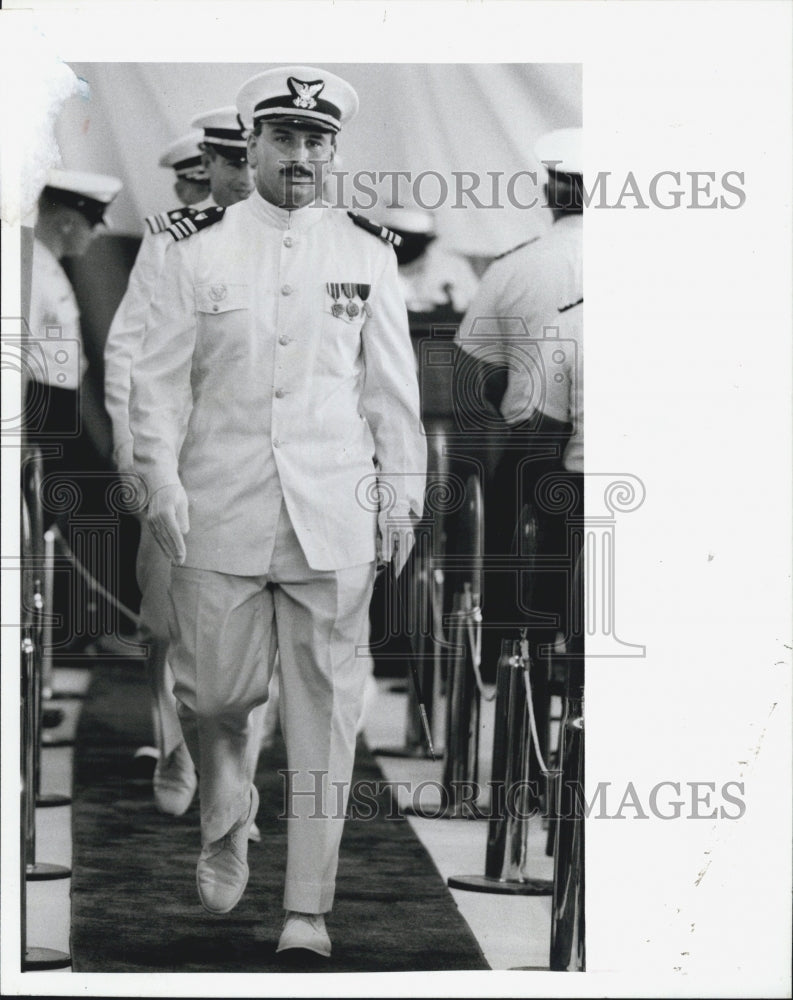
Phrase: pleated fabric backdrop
(442,117)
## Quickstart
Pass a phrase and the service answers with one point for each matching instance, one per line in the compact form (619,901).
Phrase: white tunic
(55,353)
(285,398)
(126,335)
(518,295)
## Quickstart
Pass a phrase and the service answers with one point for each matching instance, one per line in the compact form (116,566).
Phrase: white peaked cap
(184,157)
(298,94)
(562,150)
(89,193)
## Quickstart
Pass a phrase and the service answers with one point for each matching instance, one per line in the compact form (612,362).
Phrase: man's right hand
(167,517)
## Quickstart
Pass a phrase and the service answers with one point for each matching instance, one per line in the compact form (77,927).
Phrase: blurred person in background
(59,406)
(211,169)
(520,294)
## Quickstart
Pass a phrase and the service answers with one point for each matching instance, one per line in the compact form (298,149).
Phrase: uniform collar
(283,218)
(208,202)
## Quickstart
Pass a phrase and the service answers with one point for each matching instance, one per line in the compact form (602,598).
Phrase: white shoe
(175,782)
(306,931)
(222,871)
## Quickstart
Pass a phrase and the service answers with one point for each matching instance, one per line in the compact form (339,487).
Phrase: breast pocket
(223,322)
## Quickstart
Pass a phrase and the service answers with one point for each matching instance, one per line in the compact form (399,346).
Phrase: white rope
(474,617)
(532,721)
(135,619)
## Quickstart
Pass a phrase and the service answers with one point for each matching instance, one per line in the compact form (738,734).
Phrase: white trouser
(225,633)
(153,571)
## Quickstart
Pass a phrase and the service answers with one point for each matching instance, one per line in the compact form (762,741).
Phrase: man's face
(78,233)
(290,162)
(229,180)
(190,192)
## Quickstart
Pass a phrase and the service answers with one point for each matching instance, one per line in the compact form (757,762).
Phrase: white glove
(167,517)
(395,536)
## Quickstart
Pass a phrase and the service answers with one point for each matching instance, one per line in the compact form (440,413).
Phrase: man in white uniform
(57,411)
(185,157)
(430,275)
(278,325)
(214,160)
(70,208)
(522,292)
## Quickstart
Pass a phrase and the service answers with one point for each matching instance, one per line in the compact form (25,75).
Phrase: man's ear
(252,157)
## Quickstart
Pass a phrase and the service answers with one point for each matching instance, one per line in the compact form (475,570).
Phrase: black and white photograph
(332,646)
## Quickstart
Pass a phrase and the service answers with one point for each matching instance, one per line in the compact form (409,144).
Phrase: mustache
(297,170)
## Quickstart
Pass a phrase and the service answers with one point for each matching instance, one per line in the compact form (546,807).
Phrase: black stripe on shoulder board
(162,220)
(571,305)
(195,223)
(376,229)
(525,243)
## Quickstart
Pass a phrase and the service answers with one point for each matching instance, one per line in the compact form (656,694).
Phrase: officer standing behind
(59,395)
(213,163)
(70,208)
(280,328)
(522,291)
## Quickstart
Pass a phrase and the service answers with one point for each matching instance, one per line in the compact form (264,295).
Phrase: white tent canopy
(440,118)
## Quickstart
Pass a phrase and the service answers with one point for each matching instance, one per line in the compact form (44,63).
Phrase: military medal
(352,308)
(363,295)
(334,290)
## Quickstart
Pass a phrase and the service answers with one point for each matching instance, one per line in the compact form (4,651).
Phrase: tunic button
(286,289)
(275,443)
(215,309)
(283,341)
(287,241)
(279,393)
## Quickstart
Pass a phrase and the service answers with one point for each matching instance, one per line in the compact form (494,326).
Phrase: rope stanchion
(39,570)
(49,591)
(463,684)
(517,751)
(461,760)
(421,581)
(567,952)
(426,583)
(31,870)
(43,677)
(507,865)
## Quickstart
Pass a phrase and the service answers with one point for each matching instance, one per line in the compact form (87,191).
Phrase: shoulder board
(195,223)
(520,246)
(375,229)
(162,220)
(563,309)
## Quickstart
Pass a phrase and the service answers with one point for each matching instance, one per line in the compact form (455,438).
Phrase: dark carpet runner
(134,902)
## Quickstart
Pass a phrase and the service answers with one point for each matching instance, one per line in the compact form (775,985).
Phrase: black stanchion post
(32,958)
(463,697)
(567,951)
(40,566)
(507,866)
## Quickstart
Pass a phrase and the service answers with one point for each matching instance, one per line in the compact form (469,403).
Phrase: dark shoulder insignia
(520,246)
(162,220)
(195,223)
(571,305)
(377,230)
